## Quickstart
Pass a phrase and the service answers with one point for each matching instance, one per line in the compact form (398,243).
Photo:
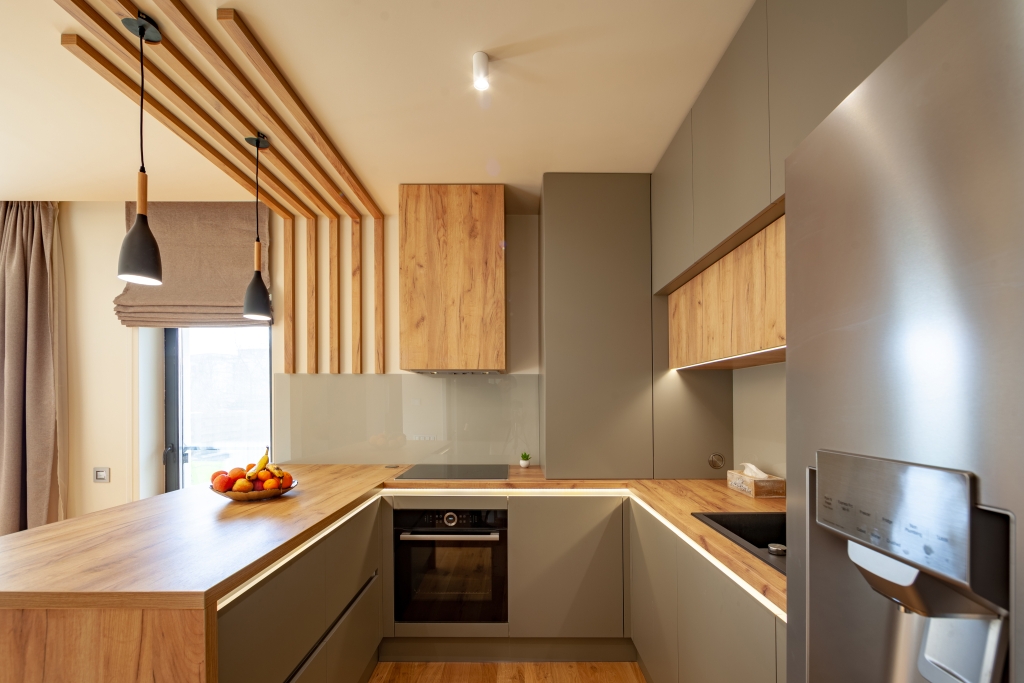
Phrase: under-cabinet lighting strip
(722,360)
(624,493)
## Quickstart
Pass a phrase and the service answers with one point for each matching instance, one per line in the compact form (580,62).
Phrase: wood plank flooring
(507,672)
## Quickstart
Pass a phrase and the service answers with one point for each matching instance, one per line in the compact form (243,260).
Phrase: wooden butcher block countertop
(188,548)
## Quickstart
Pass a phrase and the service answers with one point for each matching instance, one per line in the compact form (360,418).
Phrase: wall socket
(101,475)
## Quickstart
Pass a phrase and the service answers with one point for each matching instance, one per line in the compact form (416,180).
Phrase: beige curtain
(28,402)
(207,254)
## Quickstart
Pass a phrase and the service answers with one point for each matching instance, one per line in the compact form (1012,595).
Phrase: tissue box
(772,487)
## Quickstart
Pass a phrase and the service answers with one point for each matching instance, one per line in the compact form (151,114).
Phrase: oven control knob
(451,519)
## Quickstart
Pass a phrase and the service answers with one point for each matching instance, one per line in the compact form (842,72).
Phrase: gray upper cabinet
(725,635)
(565,577)
(731,166)
(818,52)
(596,325)
(653,602)
(672,209)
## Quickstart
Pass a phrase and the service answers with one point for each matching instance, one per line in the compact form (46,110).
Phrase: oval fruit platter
(256,482)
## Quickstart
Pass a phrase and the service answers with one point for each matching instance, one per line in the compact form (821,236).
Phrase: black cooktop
(493,472)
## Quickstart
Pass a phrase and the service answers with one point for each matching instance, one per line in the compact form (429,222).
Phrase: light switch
(101,475)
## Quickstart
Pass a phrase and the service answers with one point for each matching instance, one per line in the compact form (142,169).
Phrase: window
(217,400)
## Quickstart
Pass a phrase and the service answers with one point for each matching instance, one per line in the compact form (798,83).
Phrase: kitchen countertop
(188,548)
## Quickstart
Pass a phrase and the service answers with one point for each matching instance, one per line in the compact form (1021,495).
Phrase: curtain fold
(207,254)
(28,401)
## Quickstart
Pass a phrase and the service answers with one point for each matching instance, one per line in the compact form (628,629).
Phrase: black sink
(752,531)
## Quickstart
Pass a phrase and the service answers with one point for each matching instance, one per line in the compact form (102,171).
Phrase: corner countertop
(188,548)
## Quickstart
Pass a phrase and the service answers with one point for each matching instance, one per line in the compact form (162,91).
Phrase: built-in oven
(451,566)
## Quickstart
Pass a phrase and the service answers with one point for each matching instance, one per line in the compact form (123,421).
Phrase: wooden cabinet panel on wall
(452,277)
(737,306)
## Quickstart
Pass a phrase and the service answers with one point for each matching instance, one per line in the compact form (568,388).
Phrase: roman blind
(206,253)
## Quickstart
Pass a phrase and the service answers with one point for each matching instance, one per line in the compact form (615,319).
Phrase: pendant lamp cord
(142,100)
(257,189)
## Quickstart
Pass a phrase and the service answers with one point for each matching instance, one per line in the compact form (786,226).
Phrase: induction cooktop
(426,471)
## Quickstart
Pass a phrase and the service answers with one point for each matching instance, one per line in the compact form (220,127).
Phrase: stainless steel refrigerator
(905,363)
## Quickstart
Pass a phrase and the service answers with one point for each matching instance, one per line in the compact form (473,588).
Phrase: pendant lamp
(257,298)
(139,261)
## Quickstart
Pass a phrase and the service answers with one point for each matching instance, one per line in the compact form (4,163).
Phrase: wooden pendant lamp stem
(258,258)
(143,195)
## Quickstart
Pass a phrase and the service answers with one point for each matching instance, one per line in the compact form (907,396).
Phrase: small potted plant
(524,460)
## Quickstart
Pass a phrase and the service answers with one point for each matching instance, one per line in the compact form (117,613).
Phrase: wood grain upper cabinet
(733,314)
(452,277)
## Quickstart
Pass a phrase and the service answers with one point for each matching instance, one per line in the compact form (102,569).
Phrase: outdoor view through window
(225,399)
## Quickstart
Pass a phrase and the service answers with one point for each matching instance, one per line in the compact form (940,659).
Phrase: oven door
(457,576)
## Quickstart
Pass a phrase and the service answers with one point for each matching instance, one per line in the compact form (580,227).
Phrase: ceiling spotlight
(480,60)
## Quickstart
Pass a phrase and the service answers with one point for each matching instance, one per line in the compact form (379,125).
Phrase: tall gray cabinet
(596,325)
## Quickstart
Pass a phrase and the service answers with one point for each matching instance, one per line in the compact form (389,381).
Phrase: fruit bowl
(255,495)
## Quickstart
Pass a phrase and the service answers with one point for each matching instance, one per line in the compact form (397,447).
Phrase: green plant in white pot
(524,460)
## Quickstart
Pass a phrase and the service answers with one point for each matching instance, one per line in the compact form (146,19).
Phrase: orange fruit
(286,481)
(272,483)
(264,475)
(237,473)
(216,474)
(250,466)
(242,486)
(222,483)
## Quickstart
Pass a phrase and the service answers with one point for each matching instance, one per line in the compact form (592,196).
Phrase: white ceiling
(576,85)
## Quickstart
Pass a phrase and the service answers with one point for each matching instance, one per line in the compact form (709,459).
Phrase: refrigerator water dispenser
(918,538)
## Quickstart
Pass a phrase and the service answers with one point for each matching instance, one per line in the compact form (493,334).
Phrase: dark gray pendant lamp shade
(257,298)
(139,261)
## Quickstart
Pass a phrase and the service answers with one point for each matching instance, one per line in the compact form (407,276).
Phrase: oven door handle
(478,538)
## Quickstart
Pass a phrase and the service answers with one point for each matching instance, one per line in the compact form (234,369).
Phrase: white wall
(100,355)
(759,417)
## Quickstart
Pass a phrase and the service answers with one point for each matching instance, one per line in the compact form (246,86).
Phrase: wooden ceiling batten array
(246,40)
(160,84)
(186,22)
(265,65)
(231,157)
(175,60)
(77,46)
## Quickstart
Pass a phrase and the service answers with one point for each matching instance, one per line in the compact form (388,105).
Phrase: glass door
(223,384)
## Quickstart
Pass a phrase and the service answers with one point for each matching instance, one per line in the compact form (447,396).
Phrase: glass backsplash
(406,418)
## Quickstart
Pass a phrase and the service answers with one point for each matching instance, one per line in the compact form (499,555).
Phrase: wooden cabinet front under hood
(452,278)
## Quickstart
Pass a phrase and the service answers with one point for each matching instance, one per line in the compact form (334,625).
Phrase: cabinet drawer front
(351,646)
(283,615)
(352,553)
(565,566)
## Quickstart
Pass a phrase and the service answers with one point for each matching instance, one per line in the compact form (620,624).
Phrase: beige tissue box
(772,487)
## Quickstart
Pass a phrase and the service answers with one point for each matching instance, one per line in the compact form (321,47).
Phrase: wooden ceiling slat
(246,40)
(187,23)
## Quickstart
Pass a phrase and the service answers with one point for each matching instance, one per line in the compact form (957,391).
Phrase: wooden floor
(507,672)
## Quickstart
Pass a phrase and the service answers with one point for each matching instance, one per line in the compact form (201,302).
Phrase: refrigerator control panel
(918,514)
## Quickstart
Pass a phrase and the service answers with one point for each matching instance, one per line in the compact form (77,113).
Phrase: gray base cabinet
(287,613)
(284,614)
(725,635)
(565,577)
(653,596)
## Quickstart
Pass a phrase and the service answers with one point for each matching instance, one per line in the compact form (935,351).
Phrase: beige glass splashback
(406,418)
